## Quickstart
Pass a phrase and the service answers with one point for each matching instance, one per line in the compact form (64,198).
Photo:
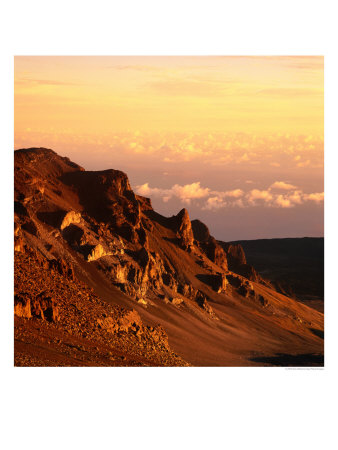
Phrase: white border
(168,408)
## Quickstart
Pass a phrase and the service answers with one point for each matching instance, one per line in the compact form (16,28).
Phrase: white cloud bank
(282,185)
(185,193)
(214,200)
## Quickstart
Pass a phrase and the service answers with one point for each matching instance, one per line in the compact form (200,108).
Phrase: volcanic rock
(209,245)
(237,261)
(96,252)
(22,306)
(40,306)
(176,300)
(88,246)
(182,226)
(19,245)
(44,307)
(70,217)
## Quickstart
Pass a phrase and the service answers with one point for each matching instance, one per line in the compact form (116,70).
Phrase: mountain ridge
(171,271)
(295,266)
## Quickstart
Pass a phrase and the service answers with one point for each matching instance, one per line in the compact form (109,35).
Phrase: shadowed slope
(294,265)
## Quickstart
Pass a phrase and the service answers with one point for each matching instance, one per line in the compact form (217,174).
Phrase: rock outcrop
(237,261)
(111,225)
(182,226)
(71,217)
(77,232)
(62,322)
(22,306)
(209,245)
(144,202)
(96,252)
(40,306)
(60,266)
(236,255)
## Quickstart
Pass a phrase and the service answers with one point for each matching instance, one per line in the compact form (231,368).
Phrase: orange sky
(94,95)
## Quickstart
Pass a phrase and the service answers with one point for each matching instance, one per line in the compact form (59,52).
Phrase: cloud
(282,185)
(290,200)
(215,200)
(256,194)
(190,191)
(234,193)
(244,158)
(296,197)
(239,202)
(304,164)
(223,199)
(283,202)
(146,191)
(316,197)
(185,193)
(214,203)
(215,149)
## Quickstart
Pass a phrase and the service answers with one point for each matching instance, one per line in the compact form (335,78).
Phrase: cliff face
(182,226)
(98,216)
(226,255)
(237,261)
(209,245)
(90,227)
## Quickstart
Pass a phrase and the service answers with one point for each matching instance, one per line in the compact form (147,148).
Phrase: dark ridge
(200,230)
(37,150)
(44,155)
(294,265)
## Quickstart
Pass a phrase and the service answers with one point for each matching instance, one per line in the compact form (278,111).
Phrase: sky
(237,140)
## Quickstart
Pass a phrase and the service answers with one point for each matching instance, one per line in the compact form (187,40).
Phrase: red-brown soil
(87,332)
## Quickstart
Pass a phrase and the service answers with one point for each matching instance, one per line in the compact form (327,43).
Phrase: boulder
(70,217)
(74,235)
(159,336)
(45,308)
(22,306)
(62,267)
(128,319)
(176,300)
(218,282)
(41,306)
(96,252)
(19,245)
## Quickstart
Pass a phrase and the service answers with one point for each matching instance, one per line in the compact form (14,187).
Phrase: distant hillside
(294,265)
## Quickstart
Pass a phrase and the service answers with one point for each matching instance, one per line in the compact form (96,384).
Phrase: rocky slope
(69,325)
(88,231)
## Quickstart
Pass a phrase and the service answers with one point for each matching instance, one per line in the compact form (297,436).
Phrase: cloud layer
(209,199)
(238,150)
(185,193)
